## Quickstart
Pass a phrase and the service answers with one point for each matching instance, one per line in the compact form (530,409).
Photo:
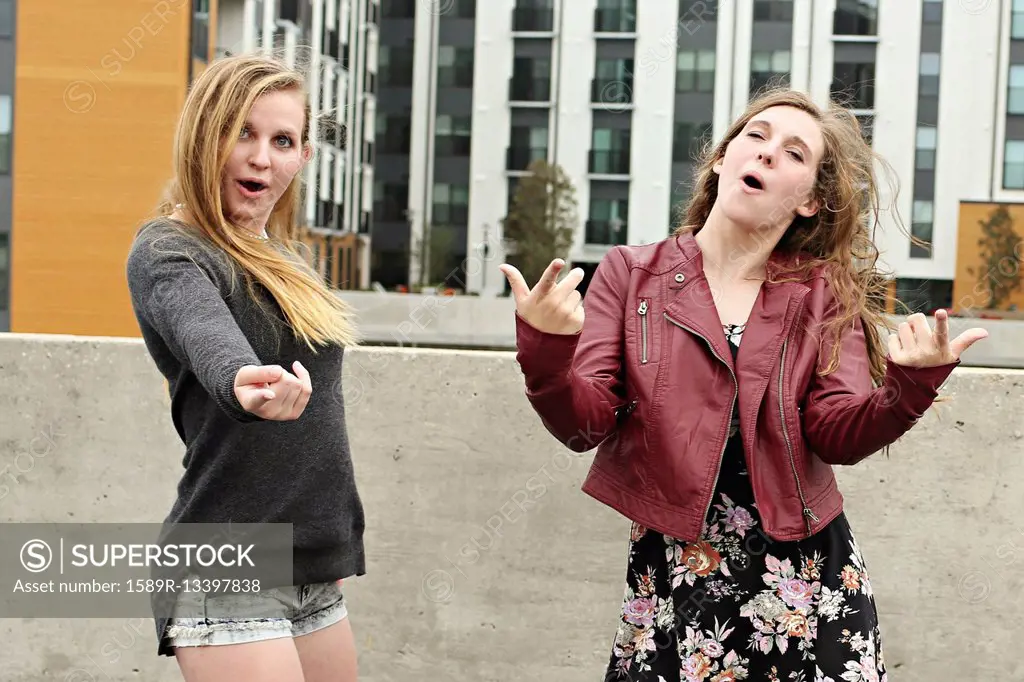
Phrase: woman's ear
(808,208)
(307,152)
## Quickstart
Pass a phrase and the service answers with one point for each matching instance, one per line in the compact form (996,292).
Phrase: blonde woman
(251,342)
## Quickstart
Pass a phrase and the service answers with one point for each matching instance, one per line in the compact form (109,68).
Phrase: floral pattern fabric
(736,605)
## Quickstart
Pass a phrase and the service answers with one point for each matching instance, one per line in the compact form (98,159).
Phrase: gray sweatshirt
(238,467)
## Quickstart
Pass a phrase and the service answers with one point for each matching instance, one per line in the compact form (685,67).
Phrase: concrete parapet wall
(474,321)
(486,562)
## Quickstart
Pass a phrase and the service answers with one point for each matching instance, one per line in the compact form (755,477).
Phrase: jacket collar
(689,303)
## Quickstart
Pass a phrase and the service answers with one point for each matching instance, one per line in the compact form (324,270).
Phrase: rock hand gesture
(551,306)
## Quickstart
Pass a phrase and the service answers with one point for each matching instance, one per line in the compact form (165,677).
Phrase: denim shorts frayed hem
(302,609)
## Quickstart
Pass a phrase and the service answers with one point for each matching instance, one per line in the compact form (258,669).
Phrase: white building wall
(658,32)
(488,185)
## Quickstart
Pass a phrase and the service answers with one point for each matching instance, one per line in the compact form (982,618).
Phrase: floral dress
(736,605)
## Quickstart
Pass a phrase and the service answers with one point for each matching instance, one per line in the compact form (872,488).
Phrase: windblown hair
(838,239)
(214,113)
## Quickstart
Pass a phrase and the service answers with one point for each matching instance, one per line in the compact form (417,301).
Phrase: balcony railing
(610,91)
(614,21)
(606,232)
(537,19)
(519,158)
(609,161)
(529,89)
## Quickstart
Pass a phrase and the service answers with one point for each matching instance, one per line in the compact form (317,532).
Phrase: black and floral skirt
(736,605)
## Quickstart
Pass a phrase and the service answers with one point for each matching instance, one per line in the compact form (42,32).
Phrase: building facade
(85,156)
(622,93)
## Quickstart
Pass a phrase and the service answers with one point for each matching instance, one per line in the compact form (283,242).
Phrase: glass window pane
(930,62)
(446,55)
(1017,26)
(922,212)
(761,61)
(706,60)
(1014,151)
(685,61)
(926,137)
(602,138)
(442,195)
(5,114)
(1013,176)
(538,138)
(1016,75)
(780,61)
(1015,103)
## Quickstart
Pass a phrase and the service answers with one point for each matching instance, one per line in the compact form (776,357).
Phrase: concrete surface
(476,322)
(462,585)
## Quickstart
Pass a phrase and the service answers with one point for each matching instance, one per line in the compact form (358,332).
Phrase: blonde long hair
(212,118)
(840,236)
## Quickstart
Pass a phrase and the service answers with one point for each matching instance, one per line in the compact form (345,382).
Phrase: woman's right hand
(551,306)
(273,393)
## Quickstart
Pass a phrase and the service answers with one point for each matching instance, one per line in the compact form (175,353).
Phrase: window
(615,16)
(527,145)
(921,228)
(398,9)
(607,223)
(6,22)
(535,15)
(464,9)
(201,29)
(867,127)
(768,68)
(854,83)
(926,140)
(452,135)
(610,152)
(451,205)
(688,141)
(695,71)
(1013,165)
(928,80)
(773,10)
(394,133)
(855,18)
(531,80)
(395,65)
(455,67)
(932,12)
(391,200)
(1015,98)
(5,268)
(5,134)
(613,83)
(1017,19)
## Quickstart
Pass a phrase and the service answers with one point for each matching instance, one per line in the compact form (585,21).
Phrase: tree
(542,220)
(432,254)
(1000,252)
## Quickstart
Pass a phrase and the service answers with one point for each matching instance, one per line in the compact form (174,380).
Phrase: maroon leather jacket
(650,382)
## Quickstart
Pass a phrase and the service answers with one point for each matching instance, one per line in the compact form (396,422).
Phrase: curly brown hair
(839,238)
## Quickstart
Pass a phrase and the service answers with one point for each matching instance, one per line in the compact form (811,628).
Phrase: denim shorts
(214,619)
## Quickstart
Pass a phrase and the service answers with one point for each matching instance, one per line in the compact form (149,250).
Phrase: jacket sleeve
(846,419)
(573,381)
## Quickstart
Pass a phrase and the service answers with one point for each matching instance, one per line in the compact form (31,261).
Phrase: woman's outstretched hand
(917,346)
(272,392)
(551,306)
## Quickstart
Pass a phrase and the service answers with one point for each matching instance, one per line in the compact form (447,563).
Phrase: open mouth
(252,187)
(753,182)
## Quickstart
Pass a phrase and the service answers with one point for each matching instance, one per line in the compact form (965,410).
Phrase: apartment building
(85,153)
(621,93)
(7,38)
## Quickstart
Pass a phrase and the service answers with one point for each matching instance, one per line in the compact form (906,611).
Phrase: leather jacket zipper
(809,515)
(642,312)
(728,422)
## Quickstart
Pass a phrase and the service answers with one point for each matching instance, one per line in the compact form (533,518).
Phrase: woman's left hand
(917,346)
